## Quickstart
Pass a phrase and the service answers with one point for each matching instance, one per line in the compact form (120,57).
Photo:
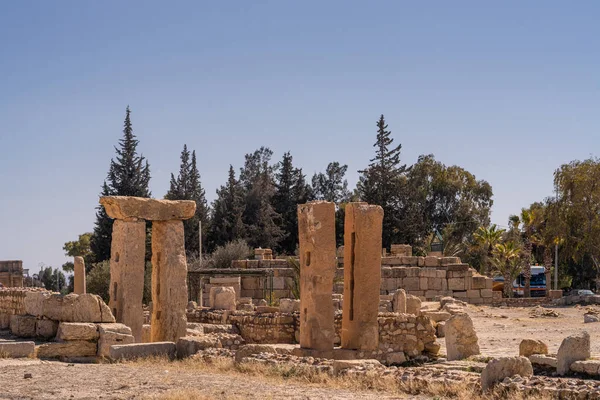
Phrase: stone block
(17,349)
(413,305)
(487,293)
(23,326)
(412,272)
(4,321)
(289,305)
(461,338)
(409,260)
(222,298)
(386,272)
(77,308)
(137,350)
(505,367)
(423,284)
(413,283)
(528,347)
(46,328)
(437,316)
(278,283)
(489,283)
(190,345)
(252,264)
(440,273)
(169,282)
(449,260)
(239,264)
(399,272)
(67,349)
(69,331)
(478,282)
(399,301)
(34,303)
(457,267)
(573,348)
(434,284)
(456,284)
(250,282)
(113,334)
(543,360)
(127,208)
(396,358)
(459,294)
(432,261)
(473,294)
(588,367)
(362,276)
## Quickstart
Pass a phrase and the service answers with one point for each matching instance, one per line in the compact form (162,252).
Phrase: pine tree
(291,190)
(227,209)
(381,182)
(129,175)
(187,186)
(331,185)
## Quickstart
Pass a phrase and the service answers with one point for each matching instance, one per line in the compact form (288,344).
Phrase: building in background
(11,273)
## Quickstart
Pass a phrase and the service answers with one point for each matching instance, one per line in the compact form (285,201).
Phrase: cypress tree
(128,175)
(228,208)
(291,190)
(381,182)
(261,221)
(187,186)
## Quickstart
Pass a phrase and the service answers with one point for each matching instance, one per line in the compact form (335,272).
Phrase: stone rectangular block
(46,328)
(127,263)
(449,260)
(398,272)
(412,272)
(456,284)
(137,350)
(362,276)
(459,294)
(169,282)
(458,267)
(478,282)
(412,261)
(17,349)
(471,294)
(440,274)
(431,261)
(316,233)
(252,264)
(434,283)
(487,293)
(386,272)
(423,284)
(391,261)
(68,331)
(411,283)
(489,283)
(67,349)
(23,325)
(127,208)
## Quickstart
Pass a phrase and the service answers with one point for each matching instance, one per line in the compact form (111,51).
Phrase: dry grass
(306,375)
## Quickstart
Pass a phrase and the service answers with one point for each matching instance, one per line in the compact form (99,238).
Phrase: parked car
(584,292)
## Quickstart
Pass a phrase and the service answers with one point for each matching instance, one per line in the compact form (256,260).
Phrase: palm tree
(506,260)
(488,238)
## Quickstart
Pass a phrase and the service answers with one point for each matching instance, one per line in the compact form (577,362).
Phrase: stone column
(79,276)
(362,276)
(127,257)
(316,229)
(169,284)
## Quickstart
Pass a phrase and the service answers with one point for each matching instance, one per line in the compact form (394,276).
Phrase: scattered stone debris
(541,312)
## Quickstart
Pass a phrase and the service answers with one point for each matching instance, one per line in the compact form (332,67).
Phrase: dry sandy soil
(499,329)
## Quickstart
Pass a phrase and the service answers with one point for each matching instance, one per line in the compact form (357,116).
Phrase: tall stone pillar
(169,281)
(316,229)
(127,259)
(362,276)
(79,276)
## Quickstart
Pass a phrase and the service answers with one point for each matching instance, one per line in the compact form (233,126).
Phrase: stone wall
(11,273)
(404,333)
(12,300)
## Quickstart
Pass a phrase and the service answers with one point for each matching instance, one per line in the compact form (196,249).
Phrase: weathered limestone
(362,276)
(190,345)
(316,229)
(22,325)
(222,298)
(532,346)
(46,328)
(341,365)
(79,276)
(413,305)
(68,331)
(76,308)
(169,282)
(112,334)
(589,367)
(573,348)
(135,350)
(289,305)
(500,368)
(127,274)
(399,302)
(17,349)
(80,348)
(461,339)
(127,208)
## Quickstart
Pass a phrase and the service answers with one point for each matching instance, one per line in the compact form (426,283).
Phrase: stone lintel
(132,208)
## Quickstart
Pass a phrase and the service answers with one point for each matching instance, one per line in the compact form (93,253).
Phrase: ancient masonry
(11,273)
(362,276)
(79,286)
(316,226)
(169,268)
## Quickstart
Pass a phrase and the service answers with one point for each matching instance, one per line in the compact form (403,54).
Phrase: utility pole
(200,240)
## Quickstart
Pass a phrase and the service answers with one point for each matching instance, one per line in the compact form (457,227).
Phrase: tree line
(258,202)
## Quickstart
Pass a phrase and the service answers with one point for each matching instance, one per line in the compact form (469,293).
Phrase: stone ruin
(169,267)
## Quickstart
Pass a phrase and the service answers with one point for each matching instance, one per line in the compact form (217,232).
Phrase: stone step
(137,350)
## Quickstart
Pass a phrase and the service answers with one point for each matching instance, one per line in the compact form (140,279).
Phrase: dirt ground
(56,380)
(499,330)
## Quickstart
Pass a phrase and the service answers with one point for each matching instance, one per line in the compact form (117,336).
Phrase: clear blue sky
(508,90)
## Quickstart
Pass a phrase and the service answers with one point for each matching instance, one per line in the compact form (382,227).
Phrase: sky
(507,90)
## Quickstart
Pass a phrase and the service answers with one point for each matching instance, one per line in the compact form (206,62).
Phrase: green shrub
(224,255)
(98,280)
